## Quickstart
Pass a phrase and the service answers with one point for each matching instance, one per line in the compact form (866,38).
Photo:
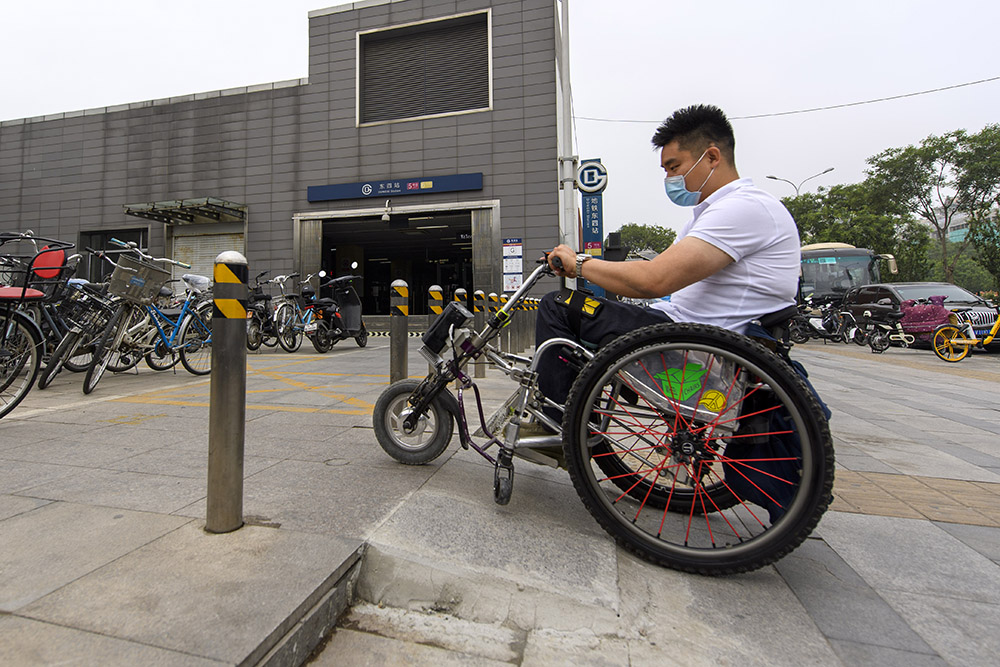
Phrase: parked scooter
(880,334)
(339,317)
(831,324)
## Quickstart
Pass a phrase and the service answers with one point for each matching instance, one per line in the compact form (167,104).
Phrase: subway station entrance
(450,246)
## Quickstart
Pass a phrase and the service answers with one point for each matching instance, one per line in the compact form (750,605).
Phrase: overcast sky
(632,60)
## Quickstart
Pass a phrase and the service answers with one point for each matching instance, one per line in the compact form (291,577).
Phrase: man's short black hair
(697,127)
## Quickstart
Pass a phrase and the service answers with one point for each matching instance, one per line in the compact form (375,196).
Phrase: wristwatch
(580,259)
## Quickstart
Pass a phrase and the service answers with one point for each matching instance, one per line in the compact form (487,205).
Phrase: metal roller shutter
(201,250)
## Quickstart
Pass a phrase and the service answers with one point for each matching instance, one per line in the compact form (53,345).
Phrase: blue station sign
(395,187)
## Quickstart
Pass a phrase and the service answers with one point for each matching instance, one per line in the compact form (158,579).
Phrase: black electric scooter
(337,318)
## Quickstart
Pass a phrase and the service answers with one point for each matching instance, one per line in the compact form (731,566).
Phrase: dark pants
(613,319)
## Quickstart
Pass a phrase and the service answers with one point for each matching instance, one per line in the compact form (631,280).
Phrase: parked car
(922,310)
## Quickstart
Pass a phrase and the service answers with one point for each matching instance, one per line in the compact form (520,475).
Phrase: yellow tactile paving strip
(937,499)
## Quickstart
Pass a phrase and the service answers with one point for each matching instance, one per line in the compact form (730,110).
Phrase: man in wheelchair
(734,262)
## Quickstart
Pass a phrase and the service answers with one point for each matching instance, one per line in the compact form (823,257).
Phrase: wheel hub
(688,447)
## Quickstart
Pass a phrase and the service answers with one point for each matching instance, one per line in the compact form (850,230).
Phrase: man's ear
(714,155)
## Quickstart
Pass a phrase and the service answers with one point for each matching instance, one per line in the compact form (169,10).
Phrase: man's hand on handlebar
(562,260)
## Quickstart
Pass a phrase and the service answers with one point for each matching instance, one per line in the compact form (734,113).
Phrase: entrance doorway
(422,248)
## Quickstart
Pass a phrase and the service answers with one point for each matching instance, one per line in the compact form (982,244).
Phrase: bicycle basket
(137,281)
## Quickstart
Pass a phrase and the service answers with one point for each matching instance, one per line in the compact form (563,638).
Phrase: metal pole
(479,317)
(228,394)
(398,333)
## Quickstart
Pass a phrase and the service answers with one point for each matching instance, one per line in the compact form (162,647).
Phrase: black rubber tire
(66,348)
(878,342)
(797,333)
(106,345)
(321,338)
(289,339)
(127,359)
(255,331)
(195,343)
(21,346)
(716,539)
(161,358)
(362,338)
(429,439)
(860,337)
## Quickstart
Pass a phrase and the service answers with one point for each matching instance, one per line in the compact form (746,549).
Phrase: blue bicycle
(139,329)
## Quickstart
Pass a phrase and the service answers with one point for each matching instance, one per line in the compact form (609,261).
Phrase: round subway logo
(366,189)
(592,177)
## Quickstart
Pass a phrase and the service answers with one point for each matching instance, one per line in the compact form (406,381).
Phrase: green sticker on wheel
(681,384)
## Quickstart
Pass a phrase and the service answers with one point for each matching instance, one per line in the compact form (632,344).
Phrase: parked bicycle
(129,336)
(953,341)
(21,340)
(261,329)
(694,447)
(293,314)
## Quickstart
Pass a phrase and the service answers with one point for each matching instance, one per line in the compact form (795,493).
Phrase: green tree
(636,237)
(941,178)
(985,235)
(980,177)
(849,214)
(968,270)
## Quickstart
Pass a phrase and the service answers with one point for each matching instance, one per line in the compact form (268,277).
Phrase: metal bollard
(479,315)
(399,313)
(506,331)
(461,295)
(435,303)
(227,395)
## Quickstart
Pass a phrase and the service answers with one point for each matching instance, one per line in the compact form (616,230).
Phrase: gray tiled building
(439,115)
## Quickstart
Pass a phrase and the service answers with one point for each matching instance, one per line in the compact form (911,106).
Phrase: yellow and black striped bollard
(228,394)
(399,316)
(479,318)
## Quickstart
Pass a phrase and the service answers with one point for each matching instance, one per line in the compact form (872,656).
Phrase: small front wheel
(429,437)
(950,343)
(860,336)
(362,338)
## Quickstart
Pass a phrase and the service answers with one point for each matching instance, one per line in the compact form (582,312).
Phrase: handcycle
(138,329)
(952,341)
(694,447)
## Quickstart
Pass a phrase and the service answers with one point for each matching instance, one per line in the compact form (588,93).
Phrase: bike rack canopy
(206,210)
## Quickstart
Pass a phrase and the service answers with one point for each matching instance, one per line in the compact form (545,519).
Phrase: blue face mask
(677,190)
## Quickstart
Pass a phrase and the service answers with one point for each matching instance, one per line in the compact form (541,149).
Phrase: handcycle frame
(715,486)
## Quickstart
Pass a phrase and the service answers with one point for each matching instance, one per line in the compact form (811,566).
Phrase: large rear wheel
(698,449)
(285,319)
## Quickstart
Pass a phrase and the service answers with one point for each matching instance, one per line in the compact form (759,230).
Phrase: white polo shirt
(757,231)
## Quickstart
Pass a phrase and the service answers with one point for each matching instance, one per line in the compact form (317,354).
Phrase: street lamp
(775,178)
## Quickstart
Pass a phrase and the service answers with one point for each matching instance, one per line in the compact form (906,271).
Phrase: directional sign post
(592,178)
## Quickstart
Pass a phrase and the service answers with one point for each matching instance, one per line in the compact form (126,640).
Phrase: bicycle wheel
(161,357)
(950,343)
(255,331)
(110,338)
(428,439)
(878,342)
(66,349)
(321,338)
(20,358)
(285,320)
(196,342)
(138,328)
(698,449)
